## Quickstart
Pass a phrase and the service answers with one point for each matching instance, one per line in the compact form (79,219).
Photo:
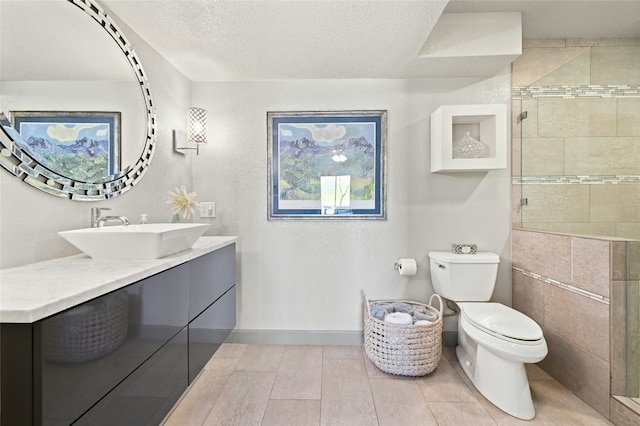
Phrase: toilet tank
(464,277)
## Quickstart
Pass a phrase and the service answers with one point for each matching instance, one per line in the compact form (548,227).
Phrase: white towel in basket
(399,318)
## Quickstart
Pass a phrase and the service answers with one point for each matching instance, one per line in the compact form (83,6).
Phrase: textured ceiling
(220,40)
(255,40)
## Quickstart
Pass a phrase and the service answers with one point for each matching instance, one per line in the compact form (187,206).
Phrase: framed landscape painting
(83,146)
(326,165)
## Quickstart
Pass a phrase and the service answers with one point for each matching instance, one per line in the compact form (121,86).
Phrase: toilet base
(501,381)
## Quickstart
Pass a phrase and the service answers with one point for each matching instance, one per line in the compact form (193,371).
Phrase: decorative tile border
(571,92)
(593,296)
(579,180)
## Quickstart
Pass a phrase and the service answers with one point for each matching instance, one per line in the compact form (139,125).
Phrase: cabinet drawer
(147,395)
(209,330)
(210,277)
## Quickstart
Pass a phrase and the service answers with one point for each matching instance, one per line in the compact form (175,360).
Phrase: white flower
(182,202)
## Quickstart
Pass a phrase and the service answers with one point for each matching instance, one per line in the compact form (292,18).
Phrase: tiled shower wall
(576,156)
(564,283)
(576,159)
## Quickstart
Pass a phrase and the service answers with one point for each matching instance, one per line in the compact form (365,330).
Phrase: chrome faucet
(98,221)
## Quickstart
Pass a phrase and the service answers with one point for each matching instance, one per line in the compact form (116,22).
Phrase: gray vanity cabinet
(72,383)
(212,305)
(159,333)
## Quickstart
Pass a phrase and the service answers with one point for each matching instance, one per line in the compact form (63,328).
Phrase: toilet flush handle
(441,266)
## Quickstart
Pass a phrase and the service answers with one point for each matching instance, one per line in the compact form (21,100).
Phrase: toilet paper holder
(405,266)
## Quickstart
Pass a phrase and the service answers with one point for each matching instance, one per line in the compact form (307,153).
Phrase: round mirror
(76,114)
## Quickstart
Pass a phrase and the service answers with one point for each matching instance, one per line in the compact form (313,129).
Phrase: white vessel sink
(148,241)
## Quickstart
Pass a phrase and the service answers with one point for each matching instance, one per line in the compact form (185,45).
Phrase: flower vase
(468,147)
(175,218)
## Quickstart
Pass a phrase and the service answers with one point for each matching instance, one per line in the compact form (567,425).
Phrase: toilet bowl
(494,343)
(494,340)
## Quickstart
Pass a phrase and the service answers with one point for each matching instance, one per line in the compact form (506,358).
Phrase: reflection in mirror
(77,118)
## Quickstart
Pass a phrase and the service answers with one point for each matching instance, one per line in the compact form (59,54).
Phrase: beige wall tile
(622,414)
(602,156)
(627,230)
(556,203)
(576,117)
(618,260)
(632,318)
(528,297)
(574,73)
(538,62)
(546,254)
(629,117)
(615,65)
(577,319)
(516,208)
(615,203)
(516,109)
(603,229)
(633,260)
(530,124)
(542,156)
(618,339)
(543,42)
(578,370)
(584,42)
(626,41)
(591,261)
(516,156)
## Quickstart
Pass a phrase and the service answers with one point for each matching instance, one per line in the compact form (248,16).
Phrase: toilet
(494,340)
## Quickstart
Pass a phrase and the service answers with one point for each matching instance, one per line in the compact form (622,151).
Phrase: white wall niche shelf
(486,123)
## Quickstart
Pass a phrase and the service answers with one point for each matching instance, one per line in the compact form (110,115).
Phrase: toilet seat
(502,322)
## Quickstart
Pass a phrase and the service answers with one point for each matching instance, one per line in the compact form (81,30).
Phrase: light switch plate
(207,209)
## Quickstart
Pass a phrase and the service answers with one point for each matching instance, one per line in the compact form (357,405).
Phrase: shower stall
(576,210)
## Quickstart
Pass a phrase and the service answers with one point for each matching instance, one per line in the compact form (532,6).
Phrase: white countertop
(35,291)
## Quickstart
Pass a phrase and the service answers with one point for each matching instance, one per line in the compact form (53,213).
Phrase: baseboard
(449,338)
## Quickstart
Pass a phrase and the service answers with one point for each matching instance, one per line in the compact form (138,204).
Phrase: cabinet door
(84,356)
(147,395)
(210,276)
(209,330)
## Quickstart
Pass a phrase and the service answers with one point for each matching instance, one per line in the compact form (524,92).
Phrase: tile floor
(288,385)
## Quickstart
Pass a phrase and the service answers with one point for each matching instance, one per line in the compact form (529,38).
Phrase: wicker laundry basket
(405,350)
(87,332)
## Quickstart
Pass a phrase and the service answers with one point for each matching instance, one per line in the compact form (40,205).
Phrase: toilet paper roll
(407,266)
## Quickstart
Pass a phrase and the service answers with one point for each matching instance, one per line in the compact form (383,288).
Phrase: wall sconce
(196,131)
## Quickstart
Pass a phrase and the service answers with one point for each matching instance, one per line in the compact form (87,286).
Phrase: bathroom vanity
(111,341)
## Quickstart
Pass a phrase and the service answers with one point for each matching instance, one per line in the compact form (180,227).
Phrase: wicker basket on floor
(87,332)
(405,350)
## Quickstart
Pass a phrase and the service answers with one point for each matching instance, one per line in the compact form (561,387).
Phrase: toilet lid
(496,318)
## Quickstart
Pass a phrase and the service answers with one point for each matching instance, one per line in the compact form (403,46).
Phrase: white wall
(301,275)
(30,219)
(308,275)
